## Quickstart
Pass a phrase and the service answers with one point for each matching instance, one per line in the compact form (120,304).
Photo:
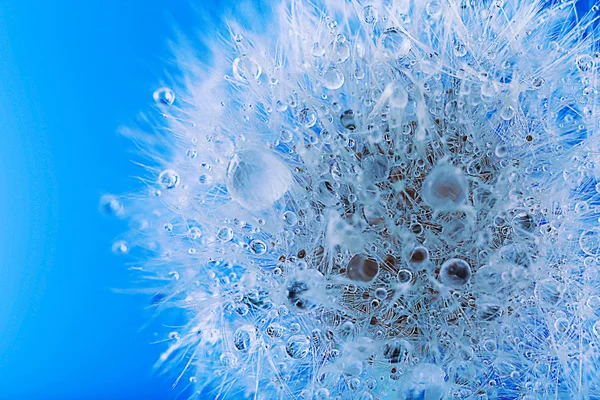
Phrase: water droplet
(501,150)
(205,179)
(455,273)
(333,78)
(589,241)
(347,120)
(395,44)
(419,255)
(585,62)
(507,113)
(111,205)
(537,82)
(244,338)
(381,293)
(298,346)
(228,360)
(246,68)
(225,234)
(194,233)
(361,268)
(257,179)
(258,247)
(445,188)
(548,291)
(434,9)
(460,50)
(120,247)
(286,136)
(308,117)
(168,179)
(164,96)
(290,218)
(370,14)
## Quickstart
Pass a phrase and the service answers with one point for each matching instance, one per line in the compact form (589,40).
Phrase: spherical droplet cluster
(395,199)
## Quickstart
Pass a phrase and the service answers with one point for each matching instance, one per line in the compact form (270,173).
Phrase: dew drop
(225,234)
(257,179)
(245,68)
(164,96)
(333,78)
(395,44)
(455,273)
(298,346)
(168,179)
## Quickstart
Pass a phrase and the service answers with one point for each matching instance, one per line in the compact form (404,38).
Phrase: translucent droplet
(286,136)
(120,247)
(308,117)
(370,14)
(333,78)
(501,150)
(455,273)
(257,179)
(347,120)
(194,233)
(548,291)
(164,96)
(361,268)
(445,188)
(246,68)
(225,234)
(381,293)
(258,247)
(111,205)
(290,218)
(434,9)
(589,241)
(395,44)
(537,82)
(507,113)
(298,346)
(585,62)
(460,50)
(168,179)
(228,360)
(244,338)
(205,179)
(419,255)
(275,330)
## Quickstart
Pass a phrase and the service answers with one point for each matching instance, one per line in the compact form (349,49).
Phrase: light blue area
(71,73)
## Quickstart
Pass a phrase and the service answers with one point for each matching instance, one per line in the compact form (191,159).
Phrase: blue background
(71,73)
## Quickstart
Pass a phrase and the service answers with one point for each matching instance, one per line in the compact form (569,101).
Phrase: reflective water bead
(361,268)
(347,120)
(455,273)
(257,179)
(584,62)
(225,234)
(370,14)
(245,68)
(395,44)
(290,218)
(258,247)
(333,78)
(298,346)
(445,188)
(589,242)
(244,338)
(111,205)
(168,179)
(164,96)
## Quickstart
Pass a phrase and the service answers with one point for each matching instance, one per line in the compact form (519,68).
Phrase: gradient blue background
(70,74)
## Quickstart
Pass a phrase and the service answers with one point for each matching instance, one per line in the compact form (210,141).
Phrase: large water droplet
(168,179)
(298,346)
(257,179)
(455,273)
(445,188)
(395,44)
(246,68)
(333,78)
(164,96)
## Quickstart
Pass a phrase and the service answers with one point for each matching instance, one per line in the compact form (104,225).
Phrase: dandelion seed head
(392,199)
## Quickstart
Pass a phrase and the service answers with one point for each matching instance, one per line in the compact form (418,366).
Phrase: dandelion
(382,199)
